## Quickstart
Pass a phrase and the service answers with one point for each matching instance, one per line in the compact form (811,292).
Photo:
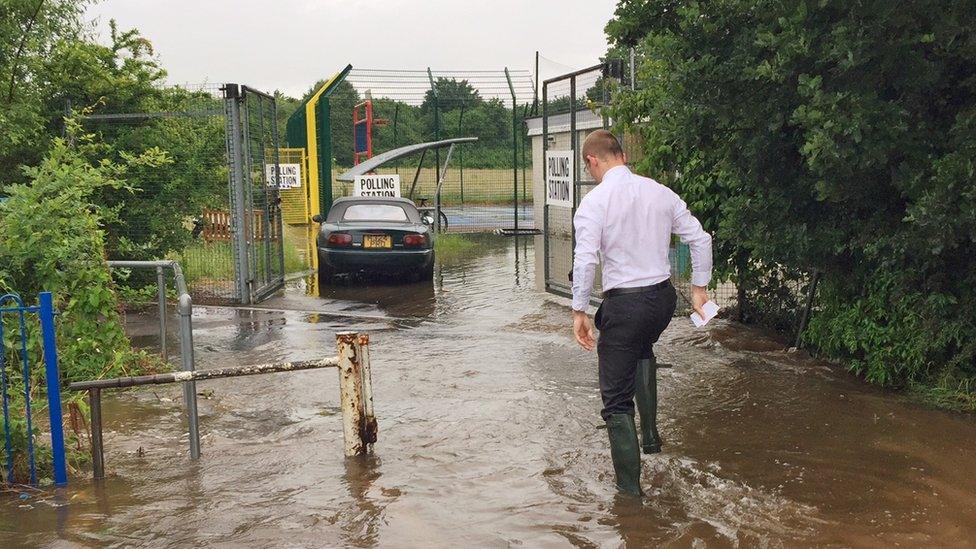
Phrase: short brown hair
(602,144)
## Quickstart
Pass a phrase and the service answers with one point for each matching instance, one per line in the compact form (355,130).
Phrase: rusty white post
(369,423)
(350,394)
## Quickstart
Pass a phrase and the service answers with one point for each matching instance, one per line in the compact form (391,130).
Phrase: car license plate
(377,241)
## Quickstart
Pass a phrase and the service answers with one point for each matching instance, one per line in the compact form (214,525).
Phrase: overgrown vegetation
(832,136)
(51,239)
(66,193)
(49,62)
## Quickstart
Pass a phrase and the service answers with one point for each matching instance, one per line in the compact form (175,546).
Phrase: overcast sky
(290,44)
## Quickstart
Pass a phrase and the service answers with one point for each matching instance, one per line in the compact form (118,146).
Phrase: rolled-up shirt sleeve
(588,224)
(690,230)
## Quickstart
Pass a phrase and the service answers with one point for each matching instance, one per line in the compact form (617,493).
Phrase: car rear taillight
(338,240)
(414,240)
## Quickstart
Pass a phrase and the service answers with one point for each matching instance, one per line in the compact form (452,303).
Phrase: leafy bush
(832,136)
(51,239)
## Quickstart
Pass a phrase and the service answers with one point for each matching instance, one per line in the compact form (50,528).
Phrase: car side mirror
(317,218)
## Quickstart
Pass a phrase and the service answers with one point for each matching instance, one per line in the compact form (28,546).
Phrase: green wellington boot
(646,396)
(624,452)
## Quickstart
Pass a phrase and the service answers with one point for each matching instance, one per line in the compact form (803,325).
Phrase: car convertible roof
(373,199)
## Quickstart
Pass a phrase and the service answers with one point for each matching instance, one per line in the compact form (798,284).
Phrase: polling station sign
(289,176)
(559,178)
(377,185)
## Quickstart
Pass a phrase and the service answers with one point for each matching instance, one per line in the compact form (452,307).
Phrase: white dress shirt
(627,221)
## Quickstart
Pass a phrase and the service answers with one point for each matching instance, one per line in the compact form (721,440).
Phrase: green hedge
(833,136)
(51,239)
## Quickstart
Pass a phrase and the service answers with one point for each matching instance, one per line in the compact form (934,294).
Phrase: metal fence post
(545,180)
(189,387)
(369,430)
(396,119)
(238,196)
(437,151)
(98,454)
(515,169)
(522,129)
(276,192)
(53,379)
(8,442)
(460,152)
(350,394)
(574,146)
(161,288)
(535,87)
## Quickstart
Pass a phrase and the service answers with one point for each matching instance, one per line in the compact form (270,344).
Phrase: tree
(30,32)
(451,95)
(829,135)
(123,77)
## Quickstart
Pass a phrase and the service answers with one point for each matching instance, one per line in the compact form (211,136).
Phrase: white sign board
(559,178)
(290,176)
(377,185)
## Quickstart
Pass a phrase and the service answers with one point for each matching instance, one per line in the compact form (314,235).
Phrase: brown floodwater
(490,436)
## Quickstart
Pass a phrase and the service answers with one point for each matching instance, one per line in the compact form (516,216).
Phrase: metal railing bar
(201,375)
(185,308)
(333,314)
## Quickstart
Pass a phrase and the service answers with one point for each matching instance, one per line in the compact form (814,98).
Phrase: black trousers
(629,324)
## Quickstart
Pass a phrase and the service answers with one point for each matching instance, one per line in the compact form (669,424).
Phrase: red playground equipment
(362,132)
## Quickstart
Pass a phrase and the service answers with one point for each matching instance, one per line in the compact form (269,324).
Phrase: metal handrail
(186,336)
(355,392)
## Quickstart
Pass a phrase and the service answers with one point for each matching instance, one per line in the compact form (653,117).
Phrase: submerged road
(490,437)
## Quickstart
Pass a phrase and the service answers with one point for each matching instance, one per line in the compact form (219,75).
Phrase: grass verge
(947,394)
(210,261)
(450,245)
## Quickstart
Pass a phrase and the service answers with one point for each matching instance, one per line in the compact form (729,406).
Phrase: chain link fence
(182,207)
(176,210)
(486,183)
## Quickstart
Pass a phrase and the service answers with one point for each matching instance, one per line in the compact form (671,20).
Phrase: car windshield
(374,212)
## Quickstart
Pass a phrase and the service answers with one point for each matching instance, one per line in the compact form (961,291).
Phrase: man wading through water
(627,221)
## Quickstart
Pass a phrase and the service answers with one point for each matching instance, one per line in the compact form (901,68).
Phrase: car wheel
(326,274)
(427,273)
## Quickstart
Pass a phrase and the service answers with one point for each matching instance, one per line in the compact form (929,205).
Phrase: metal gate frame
(45,313)
(558,283)
(259,261)
(553,285)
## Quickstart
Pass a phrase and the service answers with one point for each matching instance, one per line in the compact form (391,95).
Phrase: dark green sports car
(375,236)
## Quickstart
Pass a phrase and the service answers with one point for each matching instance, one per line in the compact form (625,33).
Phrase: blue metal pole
(53,388)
